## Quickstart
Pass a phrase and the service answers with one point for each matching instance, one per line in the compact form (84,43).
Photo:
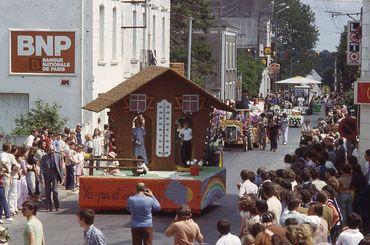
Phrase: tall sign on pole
(354,43)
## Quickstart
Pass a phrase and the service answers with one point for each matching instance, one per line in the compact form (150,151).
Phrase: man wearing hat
(141,206)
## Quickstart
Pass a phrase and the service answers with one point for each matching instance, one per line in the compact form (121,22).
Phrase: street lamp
(281,10)
(285,7)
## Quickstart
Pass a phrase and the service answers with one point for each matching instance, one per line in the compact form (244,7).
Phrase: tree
(325,67)
(346,74)
(42,114)
(251,71)
(297,35)
(202,61)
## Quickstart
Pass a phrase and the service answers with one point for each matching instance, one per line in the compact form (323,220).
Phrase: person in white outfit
(98,145)
(14,176)
(30,139)
(223,226)
(6,165)
(285,128)
(22,183)
(351,234)
(247,186)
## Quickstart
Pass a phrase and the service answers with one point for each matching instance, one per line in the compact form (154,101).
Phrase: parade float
(295,117)
(163,98)
(237,131)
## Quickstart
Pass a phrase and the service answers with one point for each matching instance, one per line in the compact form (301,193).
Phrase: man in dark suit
(50,168)
(340,156)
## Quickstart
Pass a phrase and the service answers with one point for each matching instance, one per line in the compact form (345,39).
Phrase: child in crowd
(80,157)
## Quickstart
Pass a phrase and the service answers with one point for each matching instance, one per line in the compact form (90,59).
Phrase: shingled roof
(143,77)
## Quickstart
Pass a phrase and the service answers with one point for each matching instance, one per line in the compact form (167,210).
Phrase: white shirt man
(247,187)
(350,237)
(29,141)
(223,226)
(229,239)
(292,212)
(6,160)
(274,206)
(187,134)
(319,184)
(71,157)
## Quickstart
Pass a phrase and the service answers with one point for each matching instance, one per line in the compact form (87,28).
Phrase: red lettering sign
(363,93)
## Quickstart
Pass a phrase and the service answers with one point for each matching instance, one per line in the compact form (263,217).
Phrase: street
(62,227)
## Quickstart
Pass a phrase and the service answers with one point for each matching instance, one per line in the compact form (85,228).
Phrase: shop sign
(354,43)
(42,52)
(362,92)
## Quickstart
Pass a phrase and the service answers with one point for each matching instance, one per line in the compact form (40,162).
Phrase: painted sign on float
(42,52)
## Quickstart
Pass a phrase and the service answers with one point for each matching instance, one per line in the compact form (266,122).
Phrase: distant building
(223,83)
(71,51)
(252,19)
(245,15)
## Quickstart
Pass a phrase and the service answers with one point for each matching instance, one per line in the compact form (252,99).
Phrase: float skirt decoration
(171,188)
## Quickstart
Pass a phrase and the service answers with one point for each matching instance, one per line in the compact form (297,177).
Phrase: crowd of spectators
(27,170)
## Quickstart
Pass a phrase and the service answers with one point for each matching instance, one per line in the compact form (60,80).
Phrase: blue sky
(330,28)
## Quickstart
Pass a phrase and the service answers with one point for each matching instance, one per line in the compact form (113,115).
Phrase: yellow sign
(325,89)
(264,62)
(267,51)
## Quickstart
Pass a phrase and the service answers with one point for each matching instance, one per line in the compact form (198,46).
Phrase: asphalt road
(62,227)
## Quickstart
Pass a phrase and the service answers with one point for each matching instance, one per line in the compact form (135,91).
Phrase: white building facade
(364,137)
(113,40)
(223,83)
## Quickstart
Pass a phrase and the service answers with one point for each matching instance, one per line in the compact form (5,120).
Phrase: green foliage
(296,36)
(349,98)
(325,67)
(346,74)
(251,71)
(42,114)
(202,61)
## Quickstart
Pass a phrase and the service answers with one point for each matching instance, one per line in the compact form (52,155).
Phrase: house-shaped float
(163,97)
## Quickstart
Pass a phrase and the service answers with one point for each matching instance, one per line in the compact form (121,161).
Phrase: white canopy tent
(298,80)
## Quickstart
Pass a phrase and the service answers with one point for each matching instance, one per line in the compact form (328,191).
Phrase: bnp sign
(42,52)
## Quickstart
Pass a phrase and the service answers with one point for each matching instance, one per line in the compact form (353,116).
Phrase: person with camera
(141,206)
(183,228)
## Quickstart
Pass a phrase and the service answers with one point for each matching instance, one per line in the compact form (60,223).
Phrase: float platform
(171,188)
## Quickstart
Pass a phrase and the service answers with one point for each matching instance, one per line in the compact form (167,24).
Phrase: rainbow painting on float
(213,189)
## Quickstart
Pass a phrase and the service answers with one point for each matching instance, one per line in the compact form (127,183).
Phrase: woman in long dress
(138,136)
(22,183)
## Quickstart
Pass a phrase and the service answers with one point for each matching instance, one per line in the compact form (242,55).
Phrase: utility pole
(258,34)
(291,64)
(189,46)
(335,73)
(219,50)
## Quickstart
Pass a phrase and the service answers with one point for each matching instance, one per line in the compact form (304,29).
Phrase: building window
(227,55)
(234,56)
(134,37)
(230,55)
(163,37)
(114,35)
(101,32)
(144,31)
(138,102)
(190,103)
(154,33)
